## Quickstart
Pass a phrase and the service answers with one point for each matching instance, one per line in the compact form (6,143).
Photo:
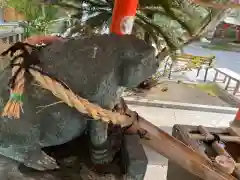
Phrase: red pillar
(238,33)
(123,16)
(236,121)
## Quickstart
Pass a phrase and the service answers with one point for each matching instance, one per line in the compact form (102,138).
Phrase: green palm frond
(174,19)
(175,14)
(147,28)
(98,20)
(170,39)
(68,6)
(143,3)
(103,9)
(178,19)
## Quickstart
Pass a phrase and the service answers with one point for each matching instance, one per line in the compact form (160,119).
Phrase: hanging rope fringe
(15,102)
(58,88)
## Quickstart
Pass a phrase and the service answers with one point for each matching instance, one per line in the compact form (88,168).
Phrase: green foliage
(170,21)
(37,26)
(100,13)
(32,9)
(37,15)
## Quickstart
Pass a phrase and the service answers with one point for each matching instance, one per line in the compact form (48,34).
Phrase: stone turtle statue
(96,68)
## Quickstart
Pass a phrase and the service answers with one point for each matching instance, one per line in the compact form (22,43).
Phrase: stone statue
(96,68)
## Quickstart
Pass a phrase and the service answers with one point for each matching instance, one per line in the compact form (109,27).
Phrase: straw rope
(81,104)
(66,95)
(14,104)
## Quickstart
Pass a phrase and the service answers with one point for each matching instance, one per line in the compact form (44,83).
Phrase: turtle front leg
(40,161)
(99,149)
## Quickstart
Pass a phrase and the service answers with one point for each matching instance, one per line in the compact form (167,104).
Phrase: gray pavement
(165,118)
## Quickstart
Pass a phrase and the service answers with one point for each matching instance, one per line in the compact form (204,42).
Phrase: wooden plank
(211,137)
(192,56)
(222,153)
(170,147)
(190,59)
(179,153)
(188,140)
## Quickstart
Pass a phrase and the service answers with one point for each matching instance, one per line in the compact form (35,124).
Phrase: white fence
(8,37)
(11,37)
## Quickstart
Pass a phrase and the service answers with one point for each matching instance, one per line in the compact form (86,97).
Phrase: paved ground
(165,119)
(191,76)
(181,92)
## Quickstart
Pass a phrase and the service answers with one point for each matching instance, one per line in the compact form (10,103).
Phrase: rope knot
(22,60)
(28,62)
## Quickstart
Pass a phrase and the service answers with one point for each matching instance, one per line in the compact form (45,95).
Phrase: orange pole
(123,16)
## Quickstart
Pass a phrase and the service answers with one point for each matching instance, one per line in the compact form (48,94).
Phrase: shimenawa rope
(13,107)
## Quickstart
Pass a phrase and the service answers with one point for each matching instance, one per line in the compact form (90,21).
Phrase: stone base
(130,163)
(134,160)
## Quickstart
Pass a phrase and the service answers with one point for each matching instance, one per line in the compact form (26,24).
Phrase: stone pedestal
(134,159)
(130,163)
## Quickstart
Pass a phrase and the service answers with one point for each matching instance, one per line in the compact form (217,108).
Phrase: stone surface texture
(96,68)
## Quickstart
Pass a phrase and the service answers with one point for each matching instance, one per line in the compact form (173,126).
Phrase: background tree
(36,14)
(99,17)
(164,22)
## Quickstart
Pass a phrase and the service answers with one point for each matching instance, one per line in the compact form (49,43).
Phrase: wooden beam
(178,152)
